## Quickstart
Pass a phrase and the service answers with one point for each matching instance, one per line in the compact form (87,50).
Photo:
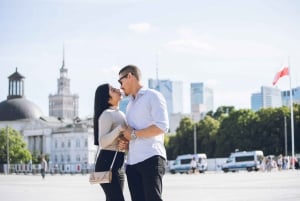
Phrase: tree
(18,153)
(207,130)
(182,141)
(235,132)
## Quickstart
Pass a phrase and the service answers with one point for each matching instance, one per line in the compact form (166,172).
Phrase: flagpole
(292,118)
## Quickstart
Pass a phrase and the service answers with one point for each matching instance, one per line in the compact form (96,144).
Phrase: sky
(233,46)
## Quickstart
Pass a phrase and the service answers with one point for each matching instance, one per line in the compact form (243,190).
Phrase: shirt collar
(141,92)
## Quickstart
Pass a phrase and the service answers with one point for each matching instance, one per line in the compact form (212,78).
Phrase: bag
(104,176)
(100,177)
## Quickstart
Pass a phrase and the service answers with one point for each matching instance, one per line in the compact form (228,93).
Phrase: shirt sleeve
(106,135)
(159,112)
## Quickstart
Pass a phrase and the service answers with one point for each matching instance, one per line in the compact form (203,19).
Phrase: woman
(109,123)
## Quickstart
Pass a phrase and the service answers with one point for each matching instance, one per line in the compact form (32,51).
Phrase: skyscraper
(202,100)
(286,96)
(63,104)
(268,97)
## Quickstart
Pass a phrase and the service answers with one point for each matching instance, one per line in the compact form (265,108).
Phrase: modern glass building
(286,96)
(202,99)
(268,97)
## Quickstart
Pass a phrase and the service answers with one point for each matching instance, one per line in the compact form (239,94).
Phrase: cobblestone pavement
(211,186)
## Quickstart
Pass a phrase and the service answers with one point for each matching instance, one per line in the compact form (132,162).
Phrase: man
(148,121)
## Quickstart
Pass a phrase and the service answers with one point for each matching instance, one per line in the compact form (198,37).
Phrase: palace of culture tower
(63,105)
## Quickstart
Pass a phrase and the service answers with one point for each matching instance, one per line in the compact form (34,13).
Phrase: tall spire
(63,70)
(63,61)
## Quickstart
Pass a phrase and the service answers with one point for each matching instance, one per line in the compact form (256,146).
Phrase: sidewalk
(211,186)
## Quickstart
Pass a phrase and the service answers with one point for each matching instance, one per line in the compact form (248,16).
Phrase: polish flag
(280,74)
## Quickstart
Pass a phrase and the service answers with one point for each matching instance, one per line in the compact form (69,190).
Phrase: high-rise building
(172,91)
(63,105)
(256,101)
(268,97)
(202,100)
(286,96)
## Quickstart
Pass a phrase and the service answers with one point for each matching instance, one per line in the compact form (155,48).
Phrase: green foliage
(226,130)
(17,147)
(183,141)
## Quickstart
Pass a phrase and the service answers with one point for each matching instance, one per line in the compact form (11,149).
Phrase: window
(244,158)
(77,143)
(185,161)
(78,158)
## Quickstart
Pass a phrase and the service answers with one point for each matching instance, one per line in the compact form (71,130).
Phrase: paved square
(211,186)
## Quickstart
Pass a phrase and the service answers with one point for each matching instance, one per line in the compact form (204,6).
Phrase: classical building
(69,144)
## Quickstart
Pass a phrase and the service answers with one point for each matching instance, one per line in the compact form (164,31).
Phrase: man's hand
(122,143)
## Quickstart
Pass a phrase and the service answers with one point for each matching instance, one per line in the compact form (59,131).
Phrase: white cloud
(188,44)
(190,41)
(140,27)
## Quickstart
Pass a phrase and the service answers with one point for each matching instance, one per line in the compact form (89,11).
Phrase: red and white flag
(283,72)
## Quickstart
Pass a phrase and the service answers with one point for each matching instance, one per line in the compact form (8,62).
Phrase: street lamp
(195,139)
(7,149)
(285,137)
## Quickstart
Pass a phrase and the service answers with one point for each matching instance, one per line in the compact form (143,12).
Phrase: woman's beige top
(110,123)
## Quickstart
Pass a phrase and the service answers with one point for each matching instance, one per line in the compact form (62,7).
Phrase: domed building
(17,107)
(69,144)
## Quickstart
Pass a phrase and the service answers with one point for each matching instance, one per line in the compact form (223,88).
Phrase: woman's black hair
(100,104)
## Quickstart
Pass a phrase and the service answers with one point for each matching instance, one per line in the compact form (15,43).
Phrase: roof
(19,108)
(16,76)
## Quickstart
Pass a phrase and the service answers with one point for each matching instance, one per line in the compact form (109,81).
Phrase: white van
(182,164)
(243,160)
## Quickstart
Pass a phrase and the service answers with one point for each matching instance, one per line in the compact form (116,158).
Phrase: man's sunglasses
(121,78)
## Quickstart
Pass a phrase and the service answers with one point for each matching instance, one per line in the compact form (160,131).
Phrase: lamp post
(195,139)
(285,137)
(7,149)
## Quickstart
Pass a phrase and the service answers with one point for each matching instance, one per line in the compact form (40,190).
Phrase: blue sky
(233,46)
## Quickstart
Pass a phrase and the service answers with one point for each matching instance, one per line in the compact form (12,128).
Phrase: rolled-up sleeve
(159,112)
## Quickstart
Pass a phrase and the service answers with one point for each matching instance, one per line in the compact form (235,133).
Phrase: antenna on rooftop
(157,79)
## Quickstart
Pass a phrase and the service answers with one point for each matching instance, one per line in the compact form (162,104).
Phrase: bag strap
(97,154)
(113,161)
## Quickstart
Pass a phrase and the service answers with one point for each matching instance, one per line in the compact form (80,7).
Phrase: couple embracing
(141,132)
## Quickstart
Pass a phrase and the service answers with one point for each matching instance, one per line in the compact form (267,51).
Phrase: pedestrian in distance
(43,167)
(109,123)
(147,119)
(193,165)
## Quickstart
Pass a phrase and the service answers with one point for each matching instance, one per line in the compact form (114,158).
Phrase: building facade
(286,96)
(268,97)
(63,104)
(69,144)
(202,100)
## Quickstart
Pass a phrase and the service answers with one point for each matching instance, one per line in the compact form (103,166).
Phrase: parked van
(244,160)
(182,164)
